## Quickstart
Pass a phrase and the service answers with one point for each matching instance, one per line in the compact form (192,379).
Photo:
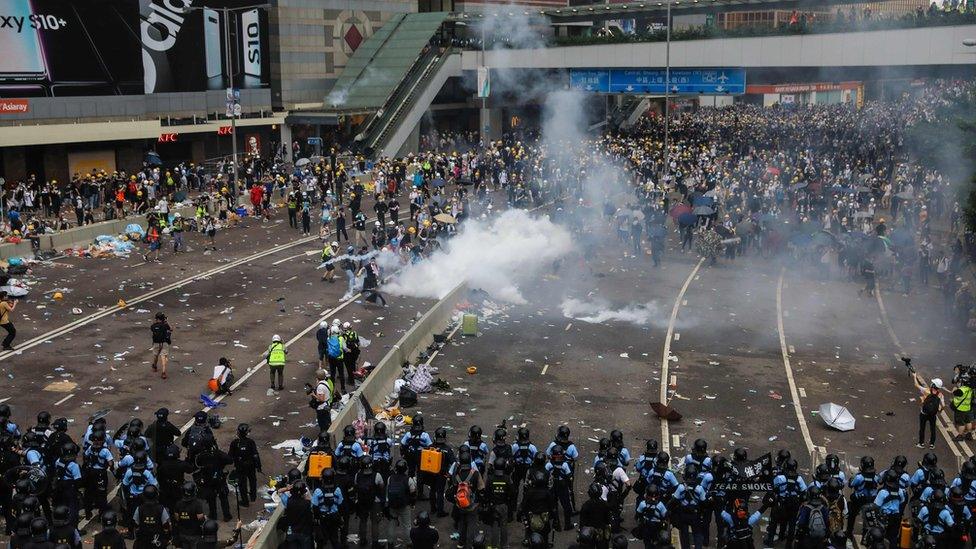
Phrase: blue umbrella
(703,201)
(687,219)
(438,182)
(703,210)
(801,239)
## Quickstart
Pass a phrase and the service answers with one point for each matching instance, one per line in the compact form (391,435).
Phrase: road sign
(717,81)
(312,141)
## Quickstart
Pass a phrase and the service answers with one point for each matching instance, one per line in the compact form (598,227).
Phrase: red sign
(168,137)
(14,106)
(225,130)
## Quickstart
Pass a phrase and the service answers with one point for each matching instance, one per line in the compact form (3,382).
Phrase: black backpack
(930,406)
(397,491)
(365,488)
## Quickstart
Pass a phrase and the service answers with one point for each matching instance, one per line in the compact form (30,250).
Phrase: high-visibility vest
(964,401)
(276,354)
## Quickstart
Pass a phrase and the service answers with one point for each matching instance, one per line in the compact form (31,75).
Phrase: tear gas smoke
(493,255)
(600,311)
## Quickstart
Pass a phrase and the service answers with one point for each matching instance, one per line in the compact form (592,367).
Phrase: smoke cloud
(494,255)
(600,311)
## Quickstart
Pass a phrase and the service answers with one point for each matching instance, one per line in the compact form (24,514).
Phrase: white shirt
(220,373)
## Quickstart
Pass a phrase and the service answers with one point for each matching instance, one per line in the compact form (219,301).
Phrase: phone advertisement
(55,48)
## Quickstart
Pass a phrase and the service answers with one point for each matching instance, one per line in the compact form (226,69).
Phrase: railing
(403,105)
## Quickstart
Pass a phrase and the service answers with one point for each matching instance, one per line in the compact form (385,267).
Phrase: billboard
(56,48)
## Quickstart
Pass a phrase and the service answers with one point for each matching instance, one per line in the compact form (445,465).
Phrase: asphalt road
(756,346)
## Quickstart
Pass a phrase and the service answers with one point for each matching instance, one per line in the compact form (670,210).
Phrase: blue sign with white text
(718,81)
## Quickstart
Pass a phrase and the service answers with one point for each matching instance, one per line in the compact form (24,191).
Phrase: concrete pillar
(285,138)
(56,163)
(412,143)
(14,163)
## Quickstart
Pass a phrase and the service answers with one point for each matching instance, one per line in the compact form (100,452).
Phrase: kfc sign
(225,130)
(167,137)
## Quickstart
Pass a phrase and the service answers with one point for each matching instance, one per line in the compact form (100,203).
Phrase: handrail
(408,100)
(397,92)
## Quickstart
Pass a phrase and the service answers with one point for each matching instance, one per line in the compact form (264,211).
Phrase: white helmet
(336,321)
(276,338)
(346,325)
(323,324)
(335,244)
(937,383)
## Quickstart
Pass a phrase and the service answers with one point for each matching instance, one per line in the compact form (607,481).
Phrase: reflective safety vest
(963,402)
(276,354)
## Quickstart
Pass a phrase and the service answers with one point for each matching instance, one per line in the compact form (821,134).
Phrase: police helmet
(60,425)
(200,418)
(38,527)
(539,459)
(500,435)
(501,464)
(813,493)
(464,456)
(651,447)
(44,418)
(417,423)
(298,488)
(619,541)
(366,462)
(691,472)
(328,477)
(652,492)
(867,464)
(595,491)
(162,414)
(586,537)
(929,460)
(60,515)
(243,429)
(109,519)
(5,411)
(899,463)
(348,433)
(379,429)
(150,492)
(833,462)
(562,433)
(523,434)
(663,460)
(539,479)
(440,434)
(790,466)
(189,489)
(699,448)
(740,455)
(604,445)
(294,475)
(400,467)
(537,541)
(474,433)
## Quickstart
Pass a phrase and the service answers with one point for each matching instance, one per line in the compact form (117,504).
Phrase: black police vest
(64,534)
(187,523)
(109,539)
(150,521)
(740,531)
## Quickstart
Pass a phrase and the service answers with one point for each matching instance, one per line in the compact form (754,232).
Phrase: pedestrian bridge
(923,46)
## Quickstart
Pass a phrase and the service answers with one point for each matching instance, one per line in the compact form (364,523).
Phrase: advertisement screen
(56,48)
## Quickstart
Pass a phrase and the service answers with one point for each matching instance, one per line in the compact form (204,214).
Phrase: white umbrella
(836,416)
(302,162)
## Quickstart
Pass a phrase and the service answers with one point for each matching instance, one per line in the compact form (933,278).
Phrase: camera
(309,389)
(964,375)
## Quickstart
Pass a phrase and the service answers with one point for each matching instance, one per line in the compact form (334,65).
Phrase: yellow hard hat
(58,295)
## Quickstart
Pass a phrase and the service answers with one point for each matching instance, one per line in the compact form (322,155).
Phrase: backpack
(930,406)
(365,488)
(835,516)
(396,492)
(333,347)
(464,495)
(816,526)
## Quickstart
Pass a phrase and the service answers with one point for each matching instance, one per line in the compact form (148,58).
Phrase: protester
(162,339)
(7,306)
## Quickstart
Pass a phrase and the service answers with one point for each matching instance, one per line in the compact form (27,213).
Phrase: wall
(888,48)
(311,40)
(376,386)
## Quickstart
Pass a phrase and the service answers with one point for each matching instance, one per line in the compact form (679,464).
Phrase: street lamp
(225,13)
(667,91)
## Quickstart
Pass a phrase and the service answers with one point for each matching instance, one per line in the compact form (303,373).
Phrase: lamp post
(667,92)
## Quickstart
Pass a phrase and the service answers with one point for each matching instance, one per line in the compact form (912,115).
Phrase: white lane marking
(545,369)
(943,422)
(663,396)
(803,392)
(63,400)
(325,316)
(292,278)
(289,258)
(677,336)
(794,393)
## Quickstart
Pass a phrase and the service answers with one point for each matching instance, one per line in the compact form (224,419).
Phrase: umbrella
(773,170)
(744,227)
(687,219)
(906,195)
(152,158)
(680,210)
(836,416)
(317,158)
(712,193)
(15,288)
(703,201)
(438,182)
(210,403)
(445,218)
(302,162)
(703,210)
(799,186)
(801,240)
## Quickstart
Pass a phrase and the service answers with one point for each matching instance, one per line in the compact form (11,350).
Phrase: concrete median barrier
(375,388)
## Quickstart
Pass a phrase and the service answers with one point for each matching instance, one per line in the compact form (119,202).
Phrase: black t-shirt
(594,513)
(161,332)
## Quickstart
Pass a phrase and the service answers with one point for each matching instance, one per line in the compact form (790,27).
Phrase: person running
(162,338)
(371,281)
(155,241)
(7,306)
